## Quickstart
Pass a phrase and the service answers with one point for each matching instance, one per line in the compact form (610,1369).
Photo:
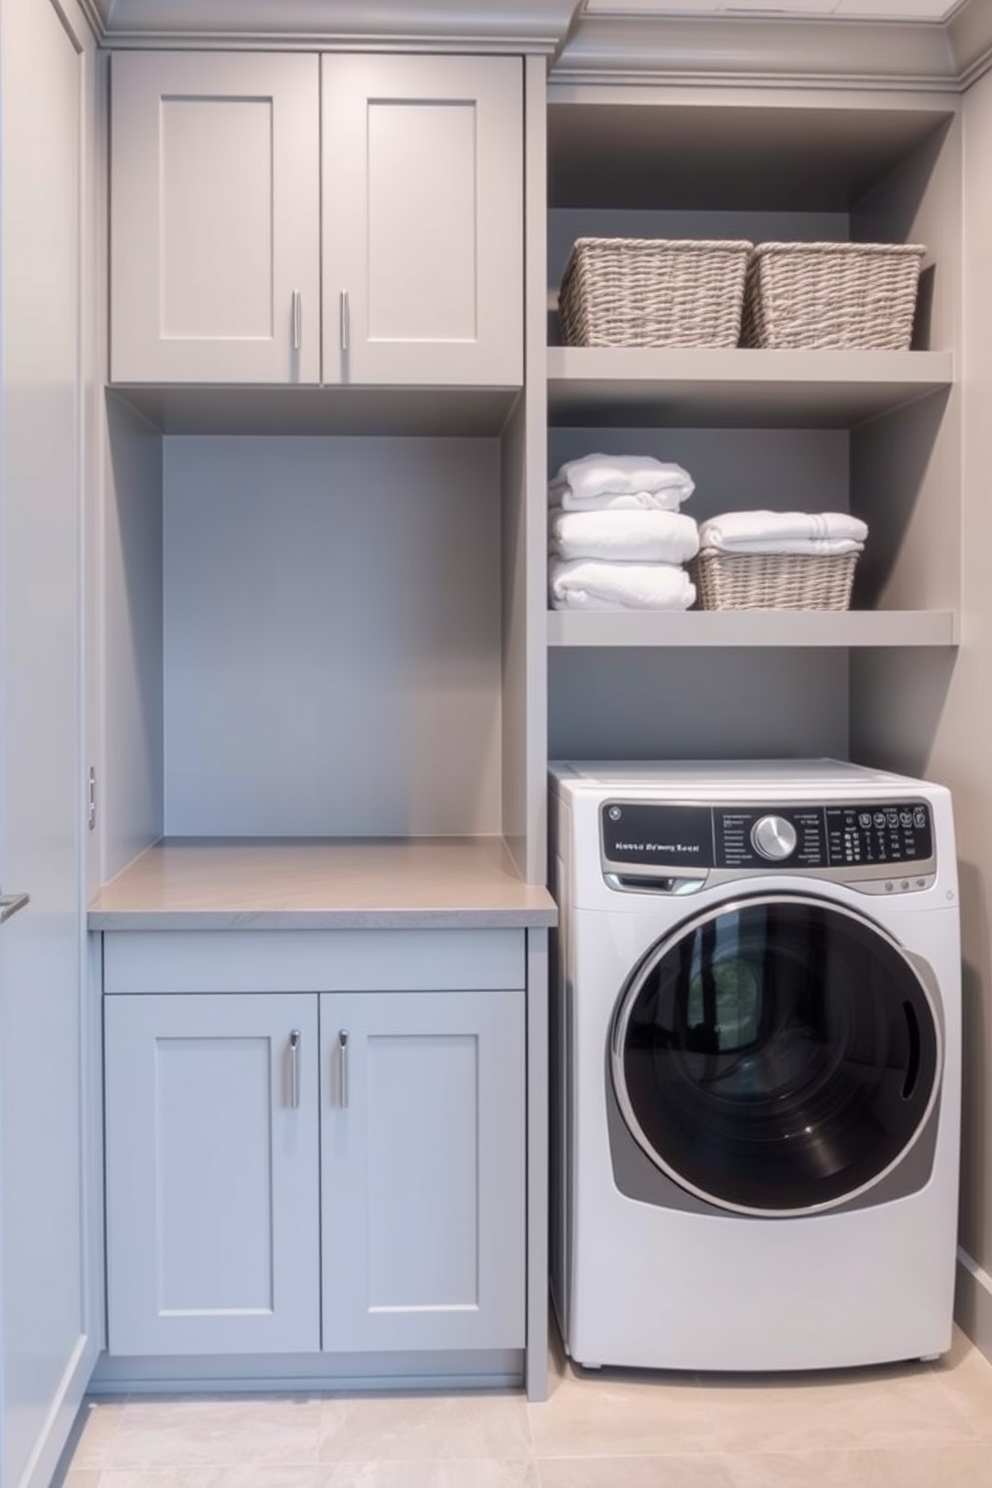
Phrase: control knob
(774,838)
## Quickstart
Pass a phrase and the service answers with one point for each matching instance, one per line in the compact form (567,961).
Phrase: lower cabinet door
(422,1170)
(213,1219)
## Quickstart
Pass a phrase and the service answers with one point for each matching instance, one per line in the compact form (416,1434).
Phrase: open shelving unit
(873,433)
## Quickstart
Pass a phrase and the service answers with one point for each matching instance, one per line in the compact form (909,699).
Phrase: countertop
(318,884)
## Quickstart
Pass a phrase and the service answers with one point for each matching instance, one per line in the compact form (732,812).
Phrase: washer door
(777,1055)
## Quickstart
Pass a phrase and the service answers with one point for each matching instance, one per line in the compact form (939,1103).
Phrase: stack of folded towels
(616,537)
(783,532)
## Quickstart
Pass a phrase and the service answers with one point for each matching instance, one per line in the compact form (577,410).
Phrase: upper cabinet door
(215,226)
(423,220)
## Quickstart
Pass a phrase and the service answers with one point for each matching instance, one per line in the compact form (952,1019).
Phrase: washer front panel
(777,1055)
(863,840)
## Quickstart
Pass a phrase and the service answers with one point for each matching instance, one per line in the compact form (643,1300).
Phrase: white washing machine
(756,1036)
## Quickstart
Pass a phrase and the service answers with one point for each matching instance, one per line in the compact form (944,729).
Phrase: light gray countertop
(318,884)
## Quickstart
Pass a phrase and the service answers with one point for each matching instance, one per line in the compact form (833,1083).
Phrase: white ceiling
(891,10)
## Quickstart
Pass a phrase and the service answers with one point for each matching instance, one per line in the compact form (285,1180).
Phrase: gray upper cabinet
(215,218)
(422,220)
(222,227)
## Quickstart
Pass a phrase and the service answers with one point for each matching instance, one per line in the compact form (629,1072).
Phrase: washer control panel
(891,842)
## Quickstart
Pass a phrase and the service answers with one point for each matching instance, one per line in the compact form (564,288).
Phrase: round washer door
(777,1055)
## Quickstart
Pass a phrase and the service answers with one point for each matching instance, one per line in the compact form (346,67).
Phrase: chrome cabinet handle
(343,1068)
(294,1069)
(10,904)
(297,320)
(345,320)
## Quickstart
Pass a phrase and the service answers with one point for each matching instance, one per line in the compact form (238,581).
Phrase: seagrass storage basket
(860,296)
(772,581)
(653,292)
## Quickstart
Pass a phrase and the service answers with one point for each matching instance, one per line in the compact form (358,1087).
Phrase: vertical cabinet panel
(215,231)
(212,1155)
(422,219)
(46,1338)
(422,1170)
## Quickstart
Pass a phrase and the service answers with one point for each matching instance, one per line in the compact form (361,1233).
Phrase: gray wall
(331,636)
(962,755)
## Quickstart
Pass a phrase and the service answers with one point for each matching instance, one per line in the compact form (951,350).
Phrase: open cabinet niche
(874,433)
(304,636)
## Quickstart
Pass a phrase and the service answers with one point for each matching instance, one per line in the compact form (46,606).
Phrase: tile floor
(906,1426)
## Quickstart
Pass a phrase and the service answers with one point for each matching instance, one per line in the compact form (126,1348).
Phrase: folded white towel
(635,536)
(585,584)
(824,546)
(751,531)
(563,497)
(586,481)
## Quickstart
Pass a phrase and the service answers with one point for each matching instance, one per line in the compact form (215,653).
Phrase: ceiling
(892,10)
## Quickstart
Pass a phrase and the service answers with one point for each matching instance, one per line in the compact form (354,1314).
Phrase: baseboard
(484,1369)
(973,1302)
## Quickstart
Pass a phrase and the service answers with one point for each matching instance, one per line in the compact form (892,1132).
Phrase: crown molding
(800,51)
(615,47)
(93,13)
(435,25)
(970,31)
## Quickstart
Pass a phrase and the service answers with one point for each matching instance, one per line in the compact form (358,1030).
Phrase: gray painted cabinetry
(246,186)
(327,611)
(312,579)
(269,1150)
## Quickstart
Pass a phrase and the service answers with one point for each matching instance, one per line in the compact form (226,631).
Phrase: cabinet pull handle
(294,1069)
(343,1066)
(297,320)
(10,904)
(345,320)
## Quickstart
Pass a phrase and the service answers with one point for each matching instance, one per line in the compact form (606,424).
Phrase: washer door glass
(775,1056)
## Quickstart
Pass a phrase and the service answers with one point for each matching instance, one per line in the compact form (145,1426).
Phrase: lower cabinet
(212,1153)
(290,1172)
(422,1170)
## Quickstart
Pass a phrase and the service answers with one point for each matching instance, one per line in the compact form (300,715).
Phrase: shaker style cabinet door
(212,1173)
(422,1170)
(422,220)
(215,218)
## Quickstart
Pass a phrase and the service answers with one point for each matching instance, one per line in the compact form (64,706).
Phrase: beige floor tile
(492,1473)
(956,1466)
(235,1475)
(966,1377)
(852,1410)
(192,1433)
(606,1414)
(698,1471)
(86,1477)
(102,1424)
(427,1428)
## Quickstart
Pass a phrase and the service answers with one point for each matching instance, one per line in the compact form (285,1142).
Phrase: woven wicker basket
(652,292)
(831,295)
(772,581)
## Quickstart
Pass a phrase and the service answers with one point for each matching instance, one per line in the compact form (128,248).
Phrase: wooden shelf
(847,628)
(714,386)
